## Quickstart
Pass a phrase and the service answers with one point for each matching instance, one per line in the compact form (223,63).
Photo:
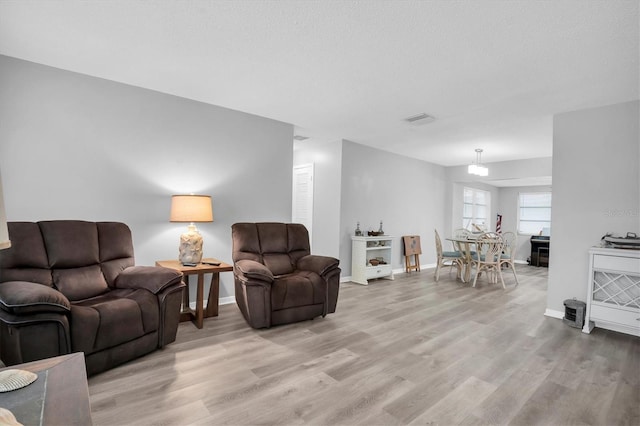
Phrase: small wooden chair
(412,252)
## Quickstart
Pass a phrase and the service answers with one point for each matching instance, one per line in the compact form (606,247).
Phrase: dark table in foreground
(59,396)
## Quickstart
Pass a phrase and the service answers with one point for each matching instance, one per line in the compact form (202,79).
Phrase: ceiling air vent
(300,137)
(420,119)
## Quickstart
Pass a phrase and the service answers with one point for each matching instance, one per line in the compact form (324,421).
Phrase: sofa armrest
(22,298)
(250,270)
(152,278)
(321,265)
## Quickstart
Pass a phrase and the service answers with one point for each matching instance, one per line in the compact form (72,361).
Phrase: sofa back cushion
(26,259)
(74,257)
(278,246)
(116,249)
(80,259)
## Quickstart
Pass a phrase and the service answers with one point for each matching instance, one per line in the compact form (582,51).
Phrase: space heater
(574,313)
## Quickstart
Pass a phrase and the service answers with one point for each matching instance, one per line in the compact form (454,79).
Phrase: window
(534,212)
(475,209)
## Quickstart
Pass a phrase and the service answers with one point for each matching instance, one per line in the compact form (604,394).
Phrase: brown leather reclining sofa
(71,286)
(277,279)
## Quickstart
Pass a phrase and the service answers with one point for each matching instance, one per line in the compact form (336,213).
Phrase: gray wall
(78,147)
(327,160)
(458,178)
(408,195)
(596,189)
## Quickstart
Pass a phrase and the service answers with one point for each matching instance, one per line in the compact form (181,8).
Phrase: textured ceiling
(493,73)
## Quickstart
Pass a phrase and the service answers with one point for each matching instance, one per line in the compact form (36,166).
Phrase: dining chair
(508,256)
(487,257)
(446,258)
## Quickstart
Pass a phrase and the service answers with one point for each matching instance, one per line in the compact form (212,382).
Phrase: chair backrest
(278,246)
(489,245)
(438,244)
(509,240)
(461,233)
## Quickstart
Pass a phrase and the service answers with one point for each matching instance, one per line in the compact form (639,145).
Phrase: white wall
(408,195)
(78,147)
(327,160)
(508,208)
(596,189)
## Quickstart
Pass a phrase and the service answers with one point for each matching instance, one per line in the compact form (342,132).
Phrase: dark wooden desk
(59,396)
(199,270)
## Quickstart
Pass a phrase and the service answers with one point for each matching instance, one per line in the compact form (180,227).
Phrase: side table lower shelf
(198,315)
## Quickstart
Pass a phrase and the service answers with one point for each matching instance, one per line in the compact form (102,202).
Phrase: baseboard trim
(222,301)
(227,300)
(395,271)
(552,313)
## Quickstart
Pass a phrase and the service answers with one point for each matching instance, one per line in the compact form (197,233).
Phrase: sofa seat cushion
(298,289)
(113,318)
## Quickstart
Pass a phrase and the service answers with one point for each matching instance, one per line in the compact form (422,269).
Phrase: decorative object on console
(630,241)
(358,232)
(191,208)
(477,168)
(380,231)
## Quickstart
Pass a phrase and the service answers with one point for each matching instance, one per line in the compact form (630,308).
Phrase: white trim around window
(476,206)
(534,213)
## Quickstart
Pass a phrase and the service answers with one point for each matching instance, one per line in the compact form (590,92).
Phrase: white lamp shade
(477,168)
(191,208)
(482,171)
(4,232)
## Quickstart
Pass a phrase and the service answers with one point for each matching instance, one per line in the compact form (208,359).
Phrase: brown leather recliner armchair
(71,286)
(277,280)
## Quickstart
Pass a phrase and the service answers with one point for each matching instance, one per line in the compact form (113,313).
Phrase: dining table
(466,246)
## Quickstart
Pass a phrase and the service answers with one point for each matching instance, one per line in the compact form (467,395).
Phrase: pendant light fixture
(477,168)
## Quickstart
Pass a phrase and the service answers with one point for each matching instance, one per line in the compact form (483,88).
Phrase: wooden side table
(200,270)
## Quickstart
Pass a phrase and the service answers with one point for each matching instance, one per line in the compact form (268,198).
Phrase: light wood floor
(409,351)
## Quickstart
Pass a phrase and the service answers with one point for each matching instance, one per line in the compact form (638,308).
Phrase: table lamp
(191,208)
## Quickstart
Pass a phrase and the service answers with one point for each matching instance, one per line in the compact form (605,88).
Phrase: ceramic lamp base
(190,246)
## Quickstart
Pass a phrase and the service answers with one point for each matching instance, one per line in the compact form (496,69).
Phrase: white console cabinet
(613,301)
(366,248)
